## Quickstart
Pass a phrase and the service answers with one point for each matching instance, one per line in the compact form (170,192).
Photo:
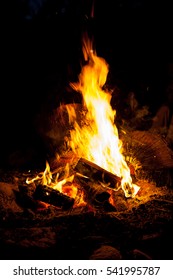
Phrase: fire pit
(99,197)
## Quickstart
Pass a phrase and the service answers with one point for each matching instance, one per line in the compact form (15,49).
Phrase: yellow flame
(97,138)
(46,178)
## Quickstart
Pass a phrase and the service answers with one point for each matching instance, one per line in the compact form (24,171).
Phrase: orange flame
(64,185)
(97,138)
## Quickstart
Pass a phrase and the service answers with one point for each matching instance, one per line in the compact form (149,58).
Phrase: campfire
(111,178)
(94,141)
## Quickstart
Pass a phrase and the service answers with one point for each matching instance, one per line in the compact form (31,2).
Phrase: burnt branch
(93,172)
(54,197)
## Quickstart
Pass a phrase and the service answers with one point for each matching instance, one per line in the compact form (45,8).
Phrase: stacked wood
(96,181)
(92,179)
(95,195)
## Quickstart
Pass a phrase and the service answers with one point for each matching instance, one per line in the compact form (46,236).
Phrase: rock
(35,237)
(8,199)
(106,252)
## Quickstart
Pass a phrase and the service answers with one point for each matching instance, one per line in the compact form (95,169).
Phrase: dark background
(41,41)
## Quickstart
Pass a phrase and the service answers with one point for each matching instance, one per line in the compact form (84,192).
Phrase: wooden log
(25,196)
(95,173)
(95,194)
(92,190)
(53,197)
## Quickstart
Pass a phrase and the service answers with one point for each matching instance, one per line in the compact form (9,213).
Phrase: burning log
(94,191)
(54,197)
(95,194)
(94,173)
(96,181)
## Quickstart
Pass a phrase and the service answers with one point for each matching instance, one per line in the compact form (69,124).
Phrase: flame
(64,185)
(97,138)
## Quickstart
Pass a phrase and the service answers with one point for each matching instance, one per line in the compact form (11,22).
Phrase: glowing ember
(97,138)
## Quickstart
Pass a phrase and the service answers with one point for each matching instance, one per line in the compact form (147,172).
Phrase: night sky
(42,38)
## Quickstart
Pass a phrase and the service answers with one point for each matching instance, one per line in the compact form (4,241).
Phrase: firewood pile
(40,222)
(97,221)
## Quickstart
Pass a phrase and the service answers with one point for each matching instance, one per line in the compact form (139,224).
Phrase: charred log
(25,196)
(53,197)
(95,194)
(93,190)
(94,173)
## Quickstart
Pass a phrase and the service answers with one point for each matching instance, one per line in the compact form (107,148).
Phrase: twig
(163,200)
(137,251)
